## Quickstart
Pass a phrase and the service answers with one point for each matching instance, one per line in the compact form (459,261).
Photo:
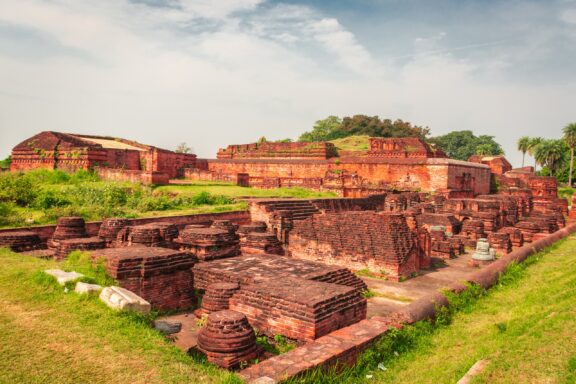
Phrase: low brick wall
(239,217)
(346,344)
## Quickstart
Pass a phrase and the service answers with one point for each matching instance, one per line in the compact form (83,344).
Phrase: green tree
(323,130)
(570,139)
(550,153)
(484,150)
(463,144)
(533,145)
(5,164)
(523,146)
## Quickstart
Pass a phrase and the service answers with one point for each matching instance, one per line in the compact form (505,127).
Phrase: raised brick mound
(529,230)
(359,240)
(225,225)
(227,339)
(191,226)
(82,244)
(161,276)
(109,229)
(547,223)
(148,235)
(313,310)
(257,242)
(68,228)
(209,243)
(250,269)
(500,241)
(516,236)
(21,241)
(217,297)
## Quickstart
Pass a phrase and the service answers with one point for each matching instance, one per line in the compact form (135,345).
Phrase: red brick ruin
(287,266)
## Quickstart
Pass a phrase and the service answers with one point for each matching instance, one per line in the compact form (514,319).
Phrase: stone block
(63,277)
(123,299)
(85,288)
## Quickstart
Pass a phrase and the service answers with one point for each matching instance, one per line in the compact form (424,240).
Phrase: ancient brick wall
(298,150)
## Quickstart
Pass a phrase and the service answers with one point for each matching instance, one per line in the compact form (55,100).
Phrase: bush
(17,189)
(50,199)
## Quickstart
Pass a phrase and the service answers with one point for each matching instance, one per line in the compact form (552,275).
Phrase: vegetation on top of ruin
(521,326)
(41,196)
(334,127)
(50,336)
(352,143)
(461,145)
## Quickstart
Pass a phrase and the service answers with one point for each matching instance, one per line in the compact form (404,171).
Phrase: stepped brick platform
(217,297)
(148,235)
(277,307)
(529,230)
(21,241)
(225,225)
(251,269)
(255,226)
(208,244)
(359,240)
(68,228)
(257,243)
(500,241)
(472,230)
(228,339)
(81,244)
(161,276)
(441,247)
(109,230)
(516,236)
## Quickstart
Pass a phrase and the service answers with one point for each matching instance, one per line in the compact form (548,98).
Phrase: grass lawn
(352,143)
(48,336)
(41,196)
(526,329)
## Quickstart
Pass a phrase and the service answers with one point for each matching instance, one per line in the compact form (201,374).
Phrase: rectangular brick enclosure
(161,276)
(297,308)
(252,269)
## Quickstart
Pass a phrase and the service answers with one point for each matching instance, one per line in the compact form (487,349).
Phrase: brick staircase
(296,209)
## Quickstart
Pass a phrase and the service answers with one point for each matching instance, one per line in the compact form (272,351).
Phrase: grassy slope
(47,336)
(526,329)
(352,143)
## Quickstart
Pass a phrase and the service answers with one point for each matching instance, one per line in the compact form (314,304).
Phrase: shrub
(49,199)
(16,188)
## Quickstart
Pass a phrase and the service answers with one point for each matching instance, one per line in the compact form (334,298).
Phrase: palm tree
(549,153)
(523,146)
(570,138)
(532,146)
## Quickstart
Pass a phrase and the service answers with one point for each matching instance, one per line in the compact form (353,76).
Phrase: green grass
(49,336)
(41,196)
(352,143)
(525,327)
(565,193)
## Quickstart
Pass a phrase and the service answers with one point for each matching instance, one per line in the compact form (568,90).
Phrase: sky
(213,73)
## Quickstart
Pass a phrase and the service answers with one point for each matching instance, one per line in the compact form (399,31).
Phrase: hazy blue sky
(213,73)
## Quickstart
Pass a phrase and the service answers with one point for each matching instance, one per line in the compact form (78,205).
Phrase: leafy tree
(5,164)
(183,148)
(335,128)
(287,140)
(523,146)
(323,130)
(484,150)
(570,139)
(550,153)
(533,145)
(463,144)
(262,140)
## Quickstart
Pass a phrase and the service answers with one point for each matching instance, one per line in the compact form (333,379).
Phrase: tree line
(555,156)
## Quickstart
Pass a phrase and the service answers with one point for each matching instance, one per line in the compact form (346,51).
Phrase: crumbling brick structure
(307,313)
(129,160)
(380,242)
(161,276)
(21,241)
